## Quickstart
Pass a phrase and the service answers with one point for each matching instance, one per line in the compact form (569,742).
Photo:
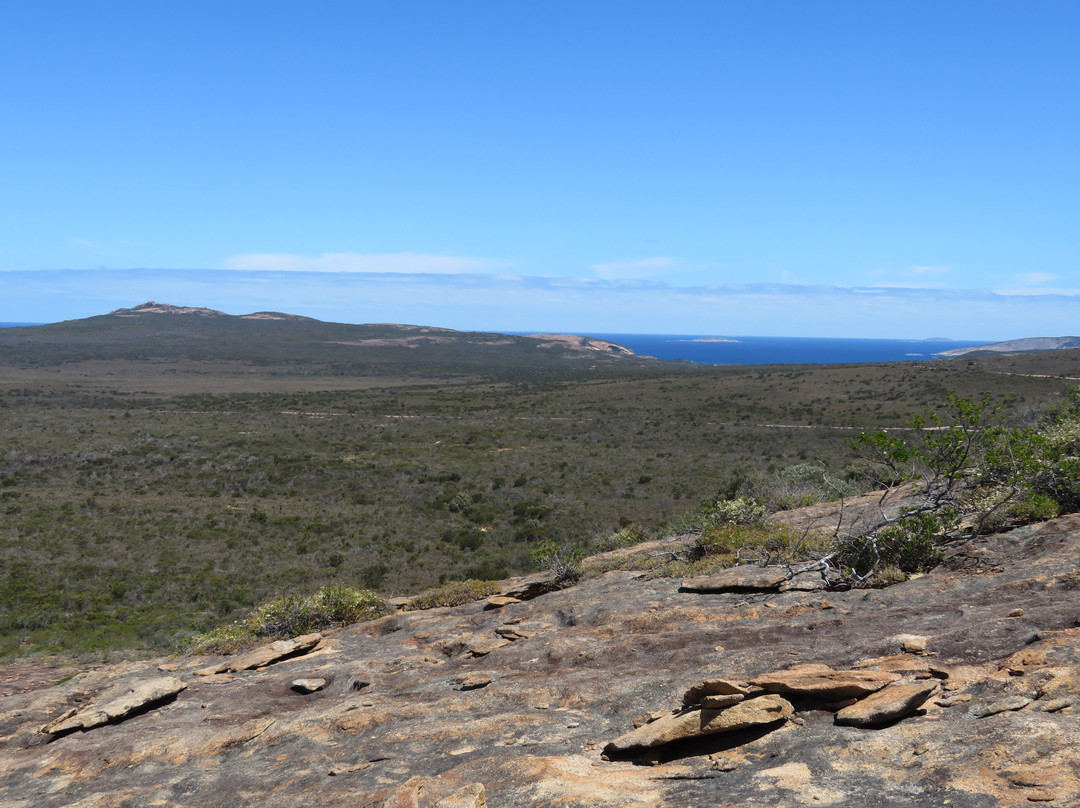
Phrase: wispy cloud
(494,301)
(1037,291)
(913,277)
(924,270)
(641,268)
(114,252)
(408,263)
(1034,278)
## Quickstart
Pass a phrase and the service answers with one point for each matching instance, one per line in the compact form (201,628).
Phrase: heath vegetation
(144,502)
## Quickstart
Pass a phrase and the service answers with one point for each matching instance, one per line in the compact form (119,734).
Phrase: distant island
(1015,346)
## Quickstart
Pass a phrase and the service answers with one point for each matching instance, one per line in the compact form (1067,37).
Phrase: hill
(1016,346)
(277,343)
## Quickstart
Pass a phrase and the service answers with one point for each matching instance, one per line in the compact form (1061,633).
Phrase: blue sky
(892,169)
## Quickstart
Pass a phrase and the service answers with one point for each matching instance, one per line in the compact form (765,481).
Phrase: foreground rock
(886,706)
(825,684)
(266,655)
(410,714)
(713,688)
(738,579)
(113,707)
(700,722)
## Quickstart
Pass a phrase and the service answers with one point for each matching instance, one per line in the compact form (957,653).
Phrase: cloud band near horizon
(503,302)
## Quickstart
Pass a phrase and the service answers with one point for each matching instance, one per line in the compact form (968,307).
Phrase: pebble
(308,685)
(950,701)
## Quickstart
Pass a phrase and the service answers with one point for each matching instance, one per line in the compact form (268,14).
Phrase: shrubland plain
(146,498)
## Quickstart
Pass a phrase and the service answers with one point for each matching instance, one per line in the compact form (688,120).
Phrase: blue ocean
(783,350)
(769,350)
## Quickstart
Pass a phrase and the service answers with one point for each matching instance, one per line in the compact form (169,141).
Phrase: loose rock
(738,579)
(886,705)
(472,681)
(266,655)
(913,643)
(699,723)
(308,685)
(498,601)
(1057,705)
(1003,706)
(713,687)
(116,708)
(827,684)
(720,702)
(471,796)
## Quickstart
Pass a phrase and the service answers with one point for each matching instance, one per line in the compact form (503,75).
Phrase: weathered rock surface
(596,656)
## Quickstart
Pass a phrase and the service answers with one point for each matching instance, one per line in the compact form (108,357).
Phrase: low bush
(732,544)
(290,616)
(454,593)
(564,561)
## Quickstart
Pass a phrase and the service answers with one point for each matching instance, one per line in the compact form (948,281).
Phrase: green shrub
(626,537)
(739,511)
(1035,508)
(565,562)
(910,544)
(454,593)
(731,544)
(292,615)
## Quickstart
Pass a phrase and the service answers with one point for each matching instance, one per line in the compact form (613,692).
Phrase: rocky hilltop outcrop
(153,307)
(957,688)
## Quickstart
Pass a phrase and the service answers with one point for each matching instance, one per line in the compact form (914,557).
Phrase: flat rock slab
(825,684)
(266,655)
(112,709)
(472,681)
(713,687)
(886,705)
(1003,706)
(738,579)
(698,723)
(498,601)
(719,702)
(804,583)
(528,587)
